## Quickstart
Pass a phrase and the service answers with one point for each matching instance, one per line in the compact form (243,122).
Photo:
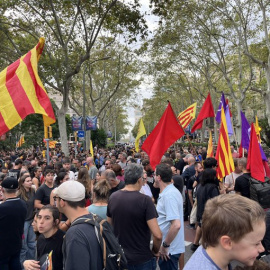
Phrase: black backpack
(260,191)
(113,254)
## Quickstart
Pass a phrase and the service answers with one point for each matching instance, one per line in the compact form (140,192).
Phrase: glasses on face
(55,198)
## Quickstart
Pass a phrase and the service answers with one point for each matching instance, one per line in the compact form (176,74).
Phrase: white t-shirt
(146,191)
(230,180)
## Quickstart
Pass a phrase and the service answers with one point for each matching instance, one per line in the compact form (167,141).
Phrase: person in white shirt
(230,179)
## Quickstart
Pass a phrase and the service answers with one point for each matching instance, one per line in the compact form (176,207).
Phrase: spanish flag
(187,115)
(22,92)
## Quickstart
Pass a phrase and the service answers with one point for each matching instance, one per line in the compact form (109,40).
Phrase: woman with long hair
(36,173)
(118,172)
(27,193)
(207,189)
(84,178)
(101,192)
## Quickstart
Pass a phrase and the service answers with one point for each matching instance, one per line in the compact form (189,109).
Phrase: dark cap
(10,183)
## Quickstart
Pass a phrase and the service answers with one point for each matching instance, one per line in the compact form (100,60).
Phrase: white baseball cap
(72,191)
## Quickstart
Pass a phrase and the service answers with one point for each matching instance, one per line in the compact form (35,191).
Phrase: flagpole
(47,151)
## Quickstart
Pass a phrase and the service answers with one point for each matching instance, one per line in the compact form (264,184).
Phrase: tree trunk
(87,138)
(62,129)
(267,94)
(238,123)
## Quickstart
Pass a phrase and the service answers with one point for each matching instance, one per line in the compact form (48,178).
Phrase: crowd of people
(41,205)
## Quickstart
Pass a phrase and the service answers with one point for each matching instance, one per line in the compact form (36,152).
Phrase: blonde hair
(229,214)
(101,190)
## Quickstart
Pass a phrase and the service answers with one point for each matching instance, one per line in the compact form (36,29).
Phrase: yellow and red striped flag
(187,115)
(224,154)
(21,141)
(22,92)
(210,152)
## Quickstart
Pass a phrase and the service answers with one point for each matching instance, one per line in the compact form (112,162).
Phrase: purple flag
(245,131)
(246,136)
(263,154)
(221,103)
(228,121)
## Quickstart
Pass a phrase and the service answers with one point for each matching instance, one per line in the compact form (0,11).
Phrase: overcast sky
(145,90)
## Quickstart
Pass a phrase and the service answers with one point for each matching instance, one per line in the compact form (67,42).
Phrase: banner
(91,122)
(77,123)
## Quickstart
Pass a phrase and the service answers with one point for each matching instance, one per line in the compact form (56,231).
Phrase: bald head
(191,160)
(89,161)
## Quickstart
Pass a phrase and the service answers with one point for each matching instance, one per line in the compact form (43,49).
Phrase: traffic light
(45,132)
(49,131)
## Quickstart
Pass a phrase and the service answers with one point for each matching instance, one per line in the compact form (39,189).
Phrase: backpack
(260,191)
(113,254)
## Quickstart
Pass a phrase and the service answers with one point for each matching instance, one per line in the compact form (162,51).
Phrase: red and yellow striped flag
(21,141)
(210,152)
(187,115)
(224,154)
(22,92)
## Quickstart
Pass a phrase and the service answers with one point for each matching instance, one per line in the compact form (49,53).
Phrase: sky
(145,90)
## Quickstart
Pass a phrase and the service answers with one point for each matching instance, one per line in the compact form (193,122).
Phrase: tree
(72,29)
(209,53)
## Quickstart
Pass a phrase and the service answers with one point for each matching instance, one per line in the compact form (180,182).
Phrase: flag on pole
(22,92)
(52,144)
(254,162)
(224,154)
(222,103)
(20,141)
(228,120)
(225,104)
(257,129)
(187,115)
(206,111)
(210,152)
(165,133)
(245,128)
(141,132)
(91,149)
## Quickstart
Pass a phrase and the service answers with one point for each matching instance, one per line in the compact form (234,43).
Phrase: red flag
(207,110)
(254,161)
(266,168)
(165,133)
